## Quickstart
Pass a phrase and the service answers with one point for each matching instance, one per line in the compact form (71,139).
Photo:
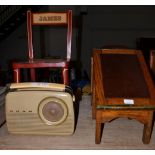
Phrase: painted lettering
(49,18)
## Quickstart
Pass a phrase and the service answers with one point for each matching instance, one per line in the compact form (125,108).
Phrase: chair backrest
(49,18)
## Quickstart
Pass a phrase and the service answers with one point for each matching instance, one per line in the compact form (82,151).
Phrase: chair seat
(39,63)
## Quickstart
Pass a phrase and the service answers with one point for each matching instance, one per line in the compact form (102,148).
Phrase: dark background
(93,27)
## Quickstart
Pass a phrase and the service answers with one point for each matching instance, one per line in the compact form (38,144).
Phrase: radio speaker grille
(53,111)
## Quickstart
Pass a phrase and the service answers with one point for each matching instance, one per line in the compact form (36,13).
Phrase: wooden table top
(123,79)
(123,76)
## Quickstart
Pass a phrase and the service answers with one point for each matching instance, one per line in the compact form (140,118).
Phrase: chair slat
(49,18)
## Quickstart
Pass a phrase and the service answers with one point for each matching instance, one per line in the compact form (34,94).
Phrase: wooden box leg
(98,132)
(147,130)
(93,90)
(93,104)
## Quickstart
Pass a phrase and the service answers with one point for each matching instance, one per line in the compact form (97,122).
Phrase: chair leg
(65,76)
(16,73)
(32,74)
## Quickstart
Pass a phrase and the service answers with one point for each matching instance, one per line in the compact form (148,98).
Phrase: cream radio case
(40,108)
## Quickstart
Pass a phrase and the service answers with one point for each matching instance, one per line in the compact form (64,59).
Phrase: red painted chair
(50,19)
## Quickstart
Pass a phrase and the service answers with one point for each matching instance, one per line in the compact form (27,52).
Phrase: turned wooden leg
(147,130)
(98,132)
(16,73)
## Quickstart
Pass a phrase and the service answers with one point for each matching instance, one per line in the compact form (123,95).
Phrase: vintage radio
(40,108)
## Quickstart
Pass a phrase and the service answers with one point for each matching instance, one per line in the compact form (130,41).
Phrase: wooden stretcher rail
(124,107)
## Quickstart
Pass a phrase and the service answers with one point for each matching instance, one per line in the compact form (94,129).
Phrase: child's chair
(50,19)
